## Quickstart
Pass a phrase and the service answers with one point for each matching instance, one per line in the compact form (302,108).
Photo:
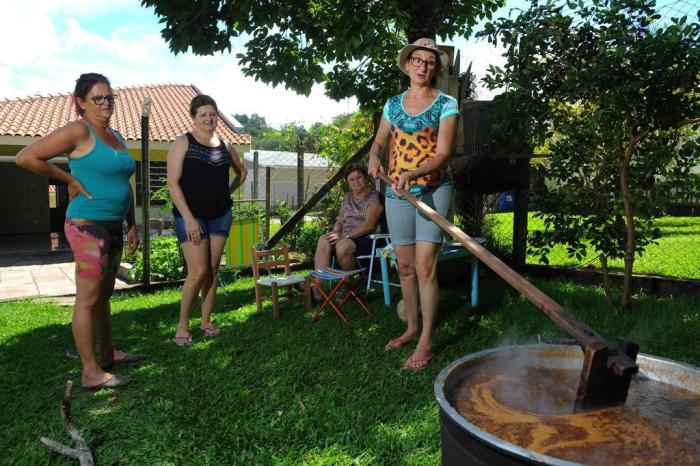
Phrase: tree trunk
(630,242)
(606,278)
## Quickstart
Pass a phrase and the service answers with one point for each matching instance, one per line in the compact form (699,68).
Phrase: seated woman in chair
(359,216)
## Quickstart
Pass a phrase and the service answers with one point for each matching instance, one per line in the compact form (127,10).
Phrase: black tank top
(204,179)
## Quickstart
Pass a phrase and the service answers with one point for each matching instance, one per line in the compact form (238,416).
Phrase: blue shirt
(104,173)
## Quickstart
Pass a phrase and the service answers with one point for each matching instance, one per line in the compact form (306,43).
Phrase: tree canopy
(254,124)
(613,92)
(349,46)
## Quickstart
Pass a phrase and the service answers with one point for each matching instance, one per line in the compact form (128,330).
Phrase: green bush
(307,239)
(303,237)
(166,262)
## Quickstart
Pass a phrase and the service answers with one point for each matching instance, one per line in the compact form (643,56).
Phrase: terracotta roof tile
(169,117)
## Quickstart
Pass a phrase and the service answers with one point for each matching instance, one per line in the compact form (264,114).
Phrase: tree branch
(689,121)
(83,452)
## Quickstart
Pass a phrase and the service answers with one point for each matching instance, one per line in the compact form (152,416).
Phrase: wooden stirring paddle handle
(584,335)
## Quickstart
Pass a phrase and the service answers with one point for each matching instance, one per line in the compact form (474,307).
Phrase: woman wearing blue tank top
(198,180)
(101,199)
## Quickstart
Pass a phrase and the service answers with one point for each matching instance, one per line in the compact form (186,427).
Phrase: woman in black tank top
(198,180)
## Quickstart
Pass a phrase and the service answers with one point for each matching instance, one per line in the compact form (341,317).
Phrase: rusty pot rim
(502,445)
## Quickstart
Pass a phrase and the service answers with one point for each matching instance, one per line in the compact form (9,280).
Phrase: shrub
(308,237)
(166,262)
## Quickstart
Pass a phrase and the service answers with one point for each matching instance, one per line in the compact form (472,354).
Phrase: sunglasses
(100,99)
(418,62)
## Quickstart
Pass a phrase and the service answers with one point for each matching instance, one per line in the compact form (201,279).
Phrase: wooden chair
(268,259)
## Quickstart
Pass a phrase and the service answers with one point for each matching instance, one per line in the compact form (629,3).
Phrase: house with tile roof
(30,203)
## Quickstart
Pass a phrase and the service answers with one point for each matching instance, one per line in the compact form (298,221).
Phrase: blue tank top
(105,173)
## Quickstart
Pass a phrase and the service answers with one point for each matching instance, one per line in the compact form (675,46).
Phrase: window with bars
(157,177)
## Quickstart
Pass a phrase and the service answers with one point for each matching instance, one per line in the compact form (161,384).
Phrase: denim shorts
(363,245)
(218,226)
(408,225)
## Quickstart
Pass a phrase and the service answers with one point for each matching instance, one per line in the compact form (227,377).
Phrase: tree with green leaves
(612,89)
(254,124)
(349,46)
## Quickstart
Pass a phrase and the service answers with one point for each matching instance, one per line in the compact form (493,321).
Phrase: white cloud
(60,48)
(70,7)
(27,35)
(53,45)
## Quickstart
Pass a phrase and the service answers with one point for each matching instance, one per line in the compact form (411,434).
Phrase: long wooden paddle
(606,372)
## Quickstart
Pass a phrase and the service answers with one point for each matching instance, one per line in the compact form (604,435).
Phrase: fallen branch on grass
(83,452)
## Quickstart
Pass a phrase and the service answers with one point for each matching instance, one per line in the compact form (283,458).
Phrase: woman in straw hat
(418,126)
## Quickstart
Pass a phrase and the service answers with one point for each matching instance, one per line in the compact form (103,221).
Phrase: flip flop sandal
(183,340)
(113,382)
(397,343)
(128,359)
(415,363)
(211,331)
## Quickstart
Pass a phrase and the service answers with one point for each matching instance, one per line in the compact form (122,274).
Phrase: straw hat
(422,44)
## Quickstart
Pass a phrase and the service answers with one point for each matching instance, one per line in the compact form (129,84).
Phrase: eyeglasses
(100,99)
(418,62)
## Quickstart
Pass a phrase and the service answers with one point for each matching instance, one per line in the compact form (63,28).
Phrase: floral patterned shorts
(96,245)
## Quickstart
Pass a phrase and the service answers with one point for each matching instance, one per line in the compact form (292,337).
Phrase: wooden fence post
(268,202)
(255,175)
(520,212)
(300,171)
(146,192)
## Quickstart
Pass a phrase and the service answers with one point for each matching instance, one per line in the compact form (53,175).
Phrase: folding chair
(344,279)
(266,260)
(379,241)
(448,250)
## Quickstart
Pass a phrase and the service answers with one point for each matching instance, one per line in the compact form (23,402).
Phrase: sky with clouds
(48,43)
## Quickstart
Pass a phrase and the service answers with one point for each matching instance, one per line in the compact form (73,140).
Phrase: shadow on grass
(264,391)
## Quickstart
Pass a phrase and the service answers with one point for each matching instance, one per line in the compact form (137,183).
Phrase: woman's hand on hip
(194,231)
(75,187)
(132,239)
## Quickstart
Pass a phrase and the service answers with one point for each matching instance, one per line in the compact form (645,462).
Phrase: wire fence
(294,177)
(676,253)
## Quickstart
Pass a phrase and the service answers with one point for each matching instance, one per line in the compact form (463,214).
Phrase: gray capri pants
(408,225)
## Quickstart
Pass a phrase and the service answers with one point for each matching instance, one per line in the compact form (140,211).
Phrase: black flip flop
(128,359)
(113,382)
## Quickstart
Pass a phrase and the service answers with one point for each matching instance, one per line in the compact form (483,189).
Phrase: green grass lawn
(677,253)
(280,392)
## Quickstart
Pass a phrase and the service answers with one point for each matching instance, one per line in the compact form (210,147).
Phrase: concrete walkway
(25,275)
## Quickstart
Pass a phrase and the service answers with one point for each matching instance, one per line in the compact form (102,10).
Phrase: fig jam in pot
(520,402)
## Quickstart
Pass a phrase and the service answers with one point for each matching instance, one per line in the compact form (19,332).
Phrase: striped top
(354,211)
(204,180)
